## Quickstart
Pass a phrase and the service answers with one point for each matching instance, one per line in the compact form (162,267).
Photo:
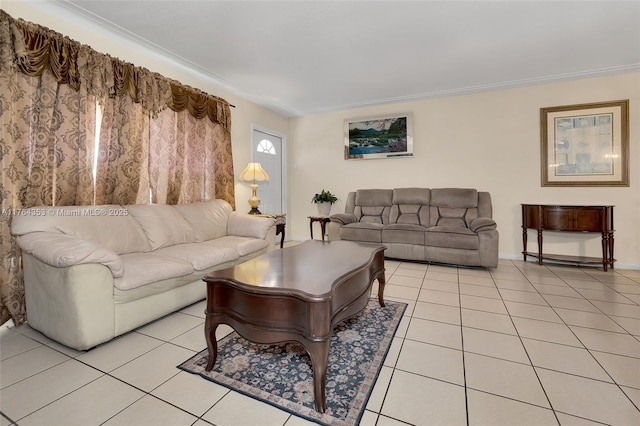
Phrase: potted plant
(324,200)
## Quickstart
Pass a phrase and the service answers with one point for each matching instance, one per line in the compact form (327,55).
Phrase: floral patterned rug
(281,375)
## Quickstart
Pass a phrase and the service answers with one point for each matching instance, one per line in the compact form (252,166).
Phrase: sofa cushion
(111,226)
(162,224)
(374,214)
(403,233)
(242,245)
(453,207)
(154,290)
(409,213)
(454,197)
(374,197)
(199,256)
(410,205)
(146,268)
(62,250)
(373,205)
(208,219)
(418,196)
(362,231)
(451,237)
(445,216)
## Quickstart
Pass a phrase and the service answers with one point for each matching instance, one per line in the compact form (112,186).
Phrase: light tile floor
(521,344)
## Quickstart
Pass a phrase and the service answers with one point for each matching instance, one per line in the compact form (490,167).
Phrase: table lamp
(252,173)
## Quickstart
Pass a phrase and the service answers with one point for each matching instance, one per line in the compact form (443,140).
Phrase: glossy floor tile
(521,344)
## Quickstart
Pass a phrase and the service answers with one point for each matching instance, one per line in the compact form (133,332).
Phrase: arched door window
(266,147)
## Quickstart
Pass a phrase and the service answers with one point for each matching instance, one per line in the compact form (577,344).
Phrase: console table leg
(212,345)
(540,247)
(319,353)
(611,258)
(605,251)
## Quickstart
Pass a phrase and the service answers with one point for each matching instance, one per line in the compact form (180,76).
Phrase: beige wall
(243,115)
(489,141)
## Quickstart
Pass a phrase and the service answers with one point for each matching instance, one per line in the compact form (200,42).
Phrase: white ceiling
(303,57)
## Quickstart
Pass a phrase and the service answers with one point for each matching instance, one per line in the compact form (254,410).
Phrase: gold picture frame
(585,144)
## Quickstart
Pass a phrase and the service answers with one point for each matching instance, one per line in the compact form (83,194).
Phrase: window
(266,147)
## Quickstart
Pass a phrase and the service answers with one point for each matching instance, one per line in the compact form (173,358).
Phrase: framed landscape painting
(388,136)
(585,144)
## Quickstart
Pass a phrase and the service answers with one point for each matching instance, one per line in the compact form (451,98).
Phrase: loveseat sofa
(445,225)
(95,272)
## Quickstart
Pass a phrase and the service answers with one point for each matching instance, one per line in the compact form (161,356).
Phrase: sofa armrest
(62,250)
(344,218)
(482,224)
(488,250)
(246,225)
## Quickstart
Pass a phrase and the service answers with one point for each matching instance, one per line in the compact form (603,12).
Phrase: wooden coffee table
(295,294)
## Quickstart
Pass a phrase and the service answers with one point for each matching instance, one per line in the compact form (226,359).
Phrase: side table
(281,223)
(323,223)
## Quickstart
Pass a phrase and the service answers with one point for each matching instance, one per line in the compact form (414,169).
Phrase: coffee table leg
(381,283)
(319,353)
(212,345)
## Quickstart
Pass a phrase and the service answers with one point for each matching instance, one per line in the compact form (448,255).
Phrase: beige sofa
(95,272)
(445,225)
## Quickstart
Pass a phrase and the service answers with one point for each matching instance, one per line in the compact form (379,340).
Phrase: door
(267,149)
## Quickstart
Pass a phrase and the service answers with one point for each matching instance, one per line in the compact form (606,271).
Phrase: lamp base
(254,201)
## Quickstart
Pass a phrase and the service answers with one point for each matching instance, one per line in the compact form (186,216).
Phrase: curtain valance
(33,49)
(37,49)
(200,104)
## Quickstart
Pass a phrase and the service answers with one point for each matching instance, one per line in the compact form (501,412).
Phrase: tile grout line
(464,366)
(589,351)
(394,367)
(615,382)
(527,352)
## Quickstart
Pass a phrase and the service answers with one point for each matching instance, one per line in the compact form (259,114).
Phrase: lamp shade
(254,172)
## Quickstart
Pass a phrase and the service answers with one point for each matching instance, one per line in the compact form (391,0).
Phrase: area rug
(281,375)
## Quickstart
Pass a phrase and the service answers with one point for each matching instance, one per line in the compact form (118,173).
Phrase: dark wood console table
(544,217)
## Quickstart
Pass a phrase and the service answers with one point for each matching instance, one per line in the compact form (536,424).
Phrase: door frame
(285,160)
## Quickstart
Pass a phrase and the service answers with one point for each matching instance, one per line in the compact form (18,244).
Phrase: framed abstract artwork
(389,136)
(585,144)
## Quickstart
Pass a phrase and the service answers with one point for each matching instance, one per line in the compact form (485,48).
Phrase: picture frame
(387,136)
(585,144)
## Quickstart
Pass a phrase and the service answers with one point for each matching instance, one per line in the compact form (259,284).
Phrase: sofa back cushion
(208,219)
(111,226)
(410,205)
(162,224)
(373,205)
(485,206)
(453,207)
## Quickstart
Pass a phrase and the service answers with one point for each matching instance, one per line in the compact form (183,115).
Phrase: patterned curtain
(123,154)
(45,160)
(51,89)
(190,160)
